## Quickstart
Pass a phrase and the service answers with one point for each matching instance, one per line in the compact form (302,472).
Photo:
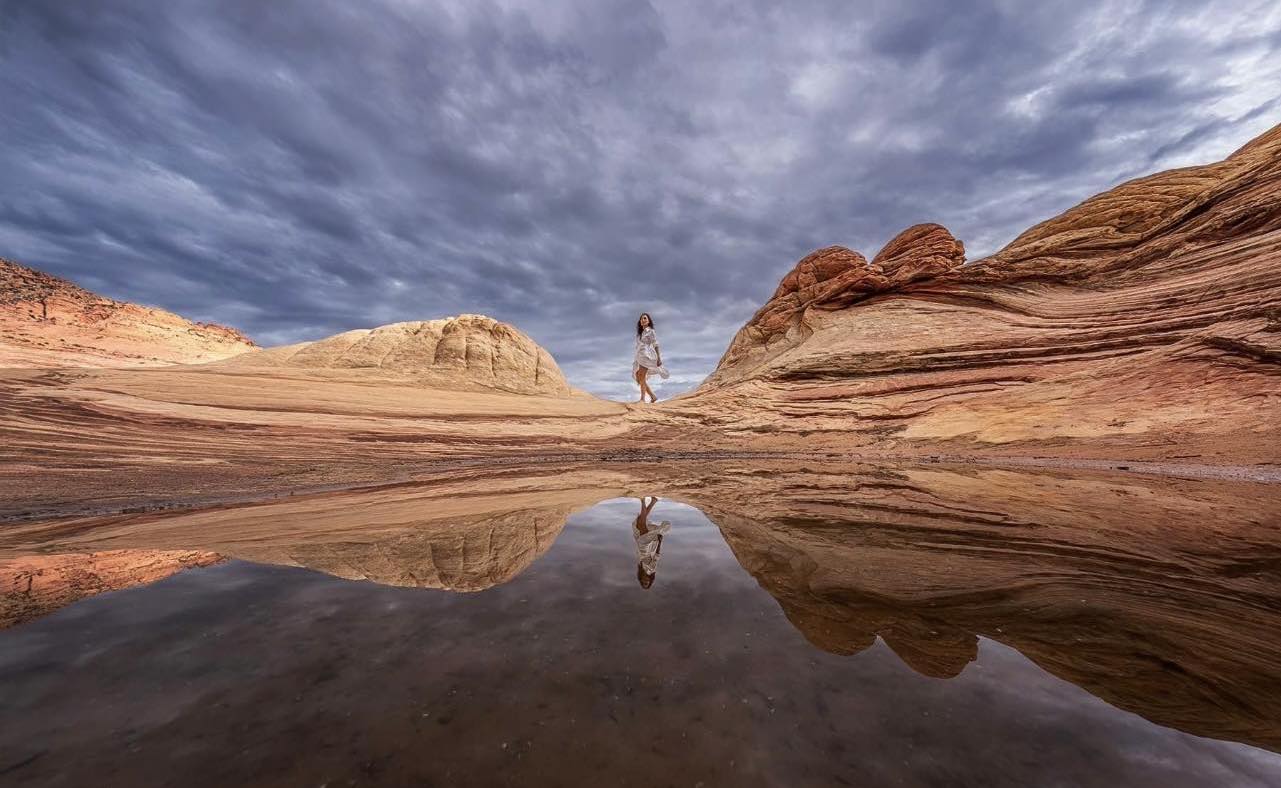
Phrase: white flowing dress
(647,353)
(647,544)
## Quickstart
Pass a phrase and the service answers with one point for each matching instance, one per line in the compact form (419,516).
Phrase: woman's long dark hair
(639,329)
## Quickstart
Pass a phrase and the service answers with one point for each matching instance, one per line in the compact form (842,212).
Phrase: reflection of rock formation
(466,532)
(467,554)
(467,351)
(35,585)
(1159,596)
(840,620)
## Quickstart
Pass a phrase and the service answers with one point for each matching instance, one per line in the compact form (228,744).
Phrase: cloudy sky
(296,169)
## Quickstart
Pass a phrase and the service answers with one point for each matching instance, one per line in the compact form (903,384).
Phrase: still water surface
(755,664)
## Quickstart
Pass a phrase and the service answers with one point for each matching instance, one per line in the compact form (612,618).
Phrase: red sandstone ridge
(46,321)
(835,278)
(1143,323)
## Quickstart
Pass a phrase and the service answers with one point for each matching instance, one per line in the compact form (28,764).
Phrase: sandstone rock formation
(467,351)
(467,554)
(50,322)
(831,279)
(1142,322)
(465,530)
(1140,326)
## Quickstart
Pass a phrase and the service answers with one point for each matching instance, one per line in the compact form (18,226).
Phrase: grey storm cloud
(301,168)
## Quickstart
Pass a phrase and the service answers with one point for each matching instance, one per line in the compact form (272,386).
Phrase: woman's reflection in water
(649,542)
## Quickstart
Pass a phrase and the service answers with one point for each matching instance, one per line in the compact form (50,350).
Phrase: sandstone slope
(50,322)
(467,351)
(1142,323)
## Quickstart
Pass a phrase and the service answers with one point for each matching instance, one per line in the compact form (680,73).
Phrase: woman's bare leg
(641,374)
(642,377)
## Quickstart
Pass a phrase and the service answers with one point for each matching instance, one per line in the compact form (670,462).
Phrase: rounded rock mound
(829,280)
(463,352)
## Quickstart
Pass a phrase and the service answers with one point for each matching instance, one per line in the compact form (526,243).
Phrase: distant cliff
(46,321)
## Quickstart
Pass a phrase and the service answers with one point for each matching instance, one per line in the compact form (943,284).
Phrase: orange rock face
(1141,323)
(835,278)
(50,322)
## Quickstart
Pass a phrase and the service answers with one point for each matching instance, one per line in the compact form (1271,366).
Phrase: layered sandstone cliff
(1144,322)
(467,351)
(829,280)
(50,322)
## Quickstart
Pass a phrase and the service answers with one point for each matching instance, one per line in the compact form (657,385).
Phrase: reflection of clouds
(568,664)
(693,545)
(1048,703)
(722,649)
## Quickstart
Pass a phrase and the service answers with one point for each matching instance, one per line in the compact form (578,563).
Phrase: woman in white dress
(648,356)
(649,543)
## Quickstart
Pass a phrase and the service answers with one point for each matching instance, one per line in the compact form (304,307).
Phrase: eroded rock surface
(463,351)
(1141,326)
(1142,322)
(831,279)
(46,321)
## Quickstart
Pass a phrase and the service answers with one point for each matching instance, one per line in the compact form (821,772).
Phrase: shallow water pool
(793,648)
